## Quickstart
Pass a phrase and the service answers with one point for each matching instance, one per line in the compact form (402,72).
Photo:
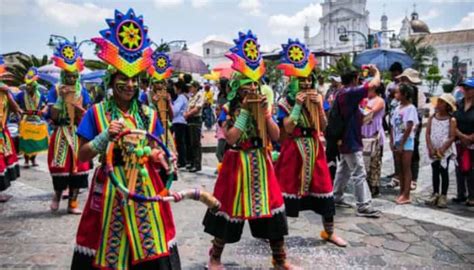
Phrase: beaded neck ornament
(68,57)
(125,44)
(161,68)
(296,59)
(246,57)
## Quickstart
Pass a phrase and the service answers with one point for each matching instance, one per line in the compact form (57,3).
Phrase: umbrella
(383,58)
(51,73)
(184,61)
(225,70)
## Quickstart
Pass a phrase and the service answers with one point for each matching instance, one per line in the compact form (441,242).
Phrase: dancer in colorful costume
(160,100)
(247,186)
(302,169)
(68,101)
(33,129)
(115,233)
(9,169)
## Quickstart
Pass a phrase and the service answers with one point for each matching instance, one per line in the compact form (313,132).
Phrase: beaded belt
(303,132)
(253,143)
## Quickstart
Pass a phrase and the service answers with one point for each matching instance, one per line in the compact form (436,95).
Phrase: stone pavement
(405,237)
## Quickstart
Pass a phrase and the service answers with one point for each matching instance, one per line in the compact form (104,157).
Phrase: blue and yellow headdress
(246,60)
(125,44)
(161,68)
(32,75)
(296,59)
(68,57)
(246,57)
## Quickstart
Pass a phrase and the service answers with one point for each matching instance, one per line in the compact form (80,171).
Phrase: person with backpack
(346,127)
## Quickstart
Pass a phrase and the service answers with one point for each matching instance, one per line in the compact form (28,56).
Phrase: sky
(25,25)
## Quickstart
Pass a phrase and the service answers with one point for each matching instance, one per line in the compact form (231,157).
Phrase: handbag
(370,145)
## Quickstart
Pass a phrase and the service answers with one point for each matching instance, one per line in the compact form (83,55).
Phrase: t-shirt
(87,129)
(209,96)
(197,100)
(400,118)
(348,100)
(464,119)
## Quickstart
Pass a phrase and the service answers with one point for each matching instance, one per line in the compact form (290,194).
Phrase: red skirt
(266,216)
(89,231)
(318,194)
(9,169)
(64,166)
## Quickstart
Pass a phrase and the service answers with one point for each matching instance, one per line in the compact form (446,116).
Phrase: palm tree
(94,64)
(18,71)
(420,53)
(342,64)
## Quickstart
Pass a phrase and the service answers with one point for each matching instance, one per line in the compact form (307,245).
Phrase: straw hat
(449,99)
(412,75)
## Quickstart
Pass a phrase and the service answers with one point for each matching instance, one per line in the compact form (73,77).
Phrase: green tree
(433,77)
(420,52)
(19,70)
(342,64)
(274,75)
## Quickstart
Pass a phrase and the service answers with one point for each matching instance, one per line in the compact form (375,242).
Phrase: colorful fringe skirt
(9,168)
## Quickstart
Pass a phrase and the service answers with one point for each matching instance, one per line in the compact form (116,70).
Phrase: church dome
(417,25)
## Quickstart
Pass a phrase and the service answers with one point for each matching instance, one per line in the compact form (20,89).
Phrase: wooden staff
(258,113)
(3,109)
(70,100)
(162,105)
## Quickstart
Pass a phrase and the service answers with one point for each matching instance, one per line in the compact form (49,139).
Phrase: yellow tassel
(324,235)
(219,167)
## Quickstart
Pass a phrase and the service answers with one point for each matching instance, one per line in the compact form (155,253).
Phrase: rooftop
(450,37)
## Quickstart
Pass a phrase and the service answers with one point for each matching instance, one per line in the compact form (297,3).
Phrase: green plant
(342,63)
(95,64)
(433,77)
(419,52)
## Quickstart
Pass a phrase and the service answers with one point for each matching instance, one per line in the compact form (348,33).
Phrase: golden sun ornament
(161,63)
(130,36)
(296,54)
(68,52)
(250,49)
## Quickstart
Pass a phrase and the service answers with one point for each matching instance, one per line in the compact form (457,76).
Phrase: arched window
(208,51)
(455,61)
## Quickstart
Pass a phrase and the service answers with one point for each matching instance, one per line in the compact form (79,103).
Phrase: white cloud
(285,25)
(14,7)
(199,3)
(71,14)
(432,14)
(196,47)
(252,7)
(167,3)
(467,22)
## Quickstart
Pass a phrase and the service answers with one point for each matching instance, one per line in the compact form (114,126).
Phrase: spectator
(412,77)
(193,117)
(180,106)
(374,137)
(465,144)
(440,135)
(331,151)
(404,120)
(221,101)
(208,115)
(351,166)
(333,89)
(321,87)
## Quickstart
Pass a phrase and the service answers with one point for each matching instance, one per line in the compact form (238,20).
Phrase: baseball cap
(469,82)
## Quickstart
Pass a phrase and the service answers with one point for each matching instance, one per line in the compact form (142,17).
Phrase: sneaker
(343,204)
(189,166)
(194,169)
(394,183)
(459,200)
(433,200)
(369,212)
(470,202)
(442,201)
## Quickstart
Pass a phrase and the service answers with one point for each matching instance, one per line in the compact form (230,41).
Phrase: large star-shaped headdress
(296,59)
(160,68)
(246,57)
(31,75)
(125,44)
(68,57)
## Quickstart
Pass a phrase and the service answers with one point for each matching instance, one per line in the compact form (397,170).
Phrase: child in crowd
(440,135)
(404,121)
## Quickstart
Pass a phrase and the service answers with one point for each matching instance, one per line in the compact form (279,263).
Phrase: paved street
(406,237)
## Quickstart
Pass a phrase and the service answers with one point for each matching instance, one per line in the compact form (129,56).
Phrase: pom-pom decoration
(246,57)
(68,57)
(160,68)
(125,44)
(296,59)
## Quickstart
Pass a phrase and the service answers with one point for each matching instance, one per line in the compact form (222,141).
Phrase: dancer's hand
(115,127)
(158,156)
(300,98)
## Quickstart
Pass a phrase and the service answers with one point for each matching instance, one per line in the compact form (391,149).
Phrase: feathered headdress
(68,57)
(161,68)
(32,75)
(246,57)
(125,44)
(296,59)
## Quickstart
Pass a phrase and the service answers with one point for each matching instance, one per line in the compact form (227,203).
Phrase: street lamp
(342,31)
